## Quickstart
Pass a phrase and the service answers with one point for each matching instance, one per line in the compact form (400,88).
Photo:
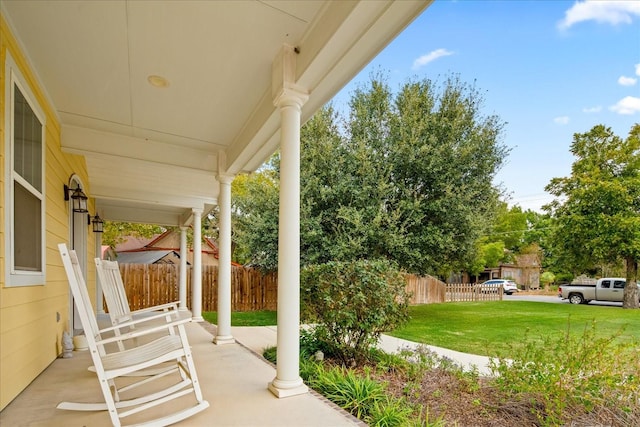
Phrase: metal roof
(143,257)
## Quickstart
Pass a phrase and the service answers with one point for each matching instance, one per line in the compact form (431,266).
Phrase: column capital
(225,179)
(197,211)
(291,97)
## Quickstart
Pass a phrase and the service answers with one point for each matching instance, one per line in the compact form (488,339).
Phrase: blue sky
(548,69)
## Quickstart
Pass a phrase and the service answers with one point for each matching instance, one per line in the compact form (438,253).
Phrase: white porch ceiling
(154,153)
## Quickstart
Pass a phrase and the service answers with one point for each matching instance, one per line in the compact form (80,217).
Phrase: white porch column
(224,263)
(196,278)
(99,296)
(182,287)
(289,99)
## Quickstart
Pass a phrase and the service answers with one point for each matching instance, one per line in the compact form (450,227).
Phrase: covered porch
(151,109)
(233,379)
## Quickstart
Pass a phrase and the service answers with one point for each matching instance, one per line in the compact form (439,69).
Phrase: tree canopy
(406,177)
(597,210)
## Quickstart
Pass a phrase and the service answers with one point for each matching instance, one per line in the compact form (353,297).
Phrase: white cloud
(628,105)
(429,57)
(589,110)
(562,120)
(627,81)
(612,12)
(637,69)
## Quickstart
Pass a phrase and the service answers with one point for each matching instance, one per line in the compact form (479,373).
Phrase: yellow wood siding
(30,332)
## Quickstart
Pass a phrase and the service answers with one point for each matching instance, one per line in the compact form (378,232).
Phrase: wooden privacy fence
(425,290)
(153,284)
(149,284)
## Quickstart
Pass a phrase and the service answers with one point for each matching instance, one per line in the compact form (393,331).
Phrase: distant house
(162,249)
(525,271)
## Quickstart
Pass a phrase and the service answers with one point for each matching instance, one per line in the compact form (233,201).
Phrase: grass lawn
(249,318)
(489,328)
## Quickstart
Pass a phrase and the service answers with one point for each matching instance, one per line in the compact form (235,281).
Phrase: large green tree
(597,209)
(408,178)
(405,176)
(254,205)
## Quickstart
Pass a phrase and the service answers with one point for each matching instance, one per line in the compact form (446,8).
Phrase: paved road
(554,299)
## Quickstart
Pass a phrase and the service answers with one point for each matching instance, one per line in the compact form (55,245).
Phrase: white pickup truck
(605,289)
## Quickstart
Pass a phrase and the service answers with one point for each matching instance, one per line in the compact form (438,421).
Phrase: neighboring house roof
(167,241)
(146,257)
(132,242)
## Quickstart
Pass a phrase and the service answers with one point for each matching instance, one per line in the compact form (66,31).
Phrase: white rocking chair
(110,366)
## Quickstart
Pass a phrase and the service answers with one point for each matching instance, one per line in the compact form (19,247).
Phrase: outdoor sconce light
(78,198)
(98,224)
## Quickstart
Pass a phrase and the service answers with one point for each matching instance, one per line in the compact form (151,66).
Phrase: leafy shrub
(547,278)
(569,375)
(563,277)
(353,303)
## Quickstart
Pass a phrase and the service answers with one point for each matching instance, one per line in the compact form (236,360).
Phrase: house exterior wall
(33,318)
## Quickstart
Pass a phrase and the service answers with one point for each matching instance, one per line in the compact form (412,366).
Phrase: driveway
(554,299)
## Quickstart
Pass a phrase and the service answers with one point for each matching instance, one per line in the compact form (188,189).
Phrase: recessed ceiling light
(158,81)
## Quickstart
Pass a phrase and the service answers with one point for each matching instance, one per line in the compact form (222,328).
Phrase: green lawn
(249,318)
(488,328)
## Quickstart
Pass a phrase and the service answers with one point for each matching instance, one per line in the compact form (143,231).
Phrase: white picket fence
(471,292)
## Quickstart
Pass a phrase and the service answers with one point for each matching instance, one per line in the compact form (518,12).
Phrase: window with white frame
(24,192)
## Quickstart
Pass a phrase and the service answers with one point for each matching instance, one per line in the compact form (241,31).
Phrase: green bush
(547,278)
(563,277)
(352,304)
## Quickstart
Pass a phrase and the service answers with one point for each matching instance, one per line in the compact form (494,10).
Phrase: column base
(224,339)
(282,390)
(197,319)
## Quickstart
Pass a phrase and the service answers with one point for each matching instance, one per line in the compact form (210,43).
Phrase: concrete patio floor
(233,378)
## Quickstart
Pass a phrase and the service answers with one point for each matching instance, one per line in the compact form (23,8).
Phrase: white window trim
(14,78)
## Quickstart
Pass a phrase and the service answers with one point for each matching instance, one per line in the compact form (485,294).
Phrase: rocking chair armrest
(142,332)
(139,321)
(168,307)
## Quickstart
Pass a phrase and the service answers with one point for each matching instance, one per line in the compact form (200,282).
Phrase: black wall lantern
(98,224)
(78,198)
